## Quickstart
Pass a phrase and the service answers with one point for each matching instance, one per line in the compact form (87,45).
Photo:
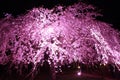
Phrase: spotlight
(79,73)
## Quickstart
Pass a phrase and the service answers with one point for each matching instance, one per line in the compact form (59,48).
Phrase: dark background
(109,8)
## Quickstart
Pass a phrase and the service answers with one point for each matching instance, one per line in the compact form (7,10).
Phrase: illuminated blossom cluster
(58,36)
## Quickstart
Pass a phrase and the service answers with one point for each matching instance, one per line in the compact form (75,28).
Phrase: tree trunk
(52,71)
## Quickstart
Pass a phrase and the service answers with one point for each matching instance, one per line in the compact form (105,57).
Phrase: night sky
(109,8)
